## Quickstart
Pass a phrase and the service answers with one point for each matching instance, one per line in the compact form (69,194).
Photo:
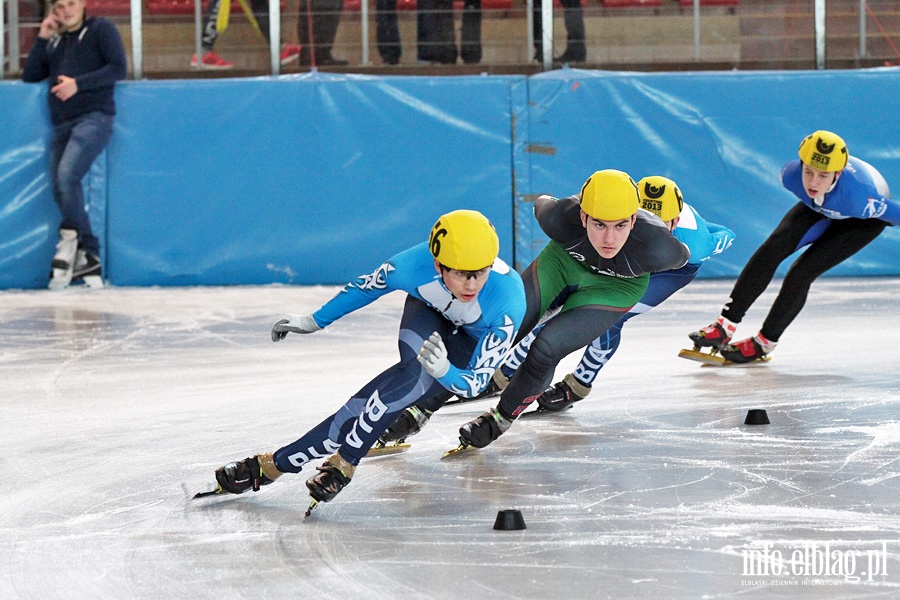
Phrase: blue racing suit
(832,227)
(477,334)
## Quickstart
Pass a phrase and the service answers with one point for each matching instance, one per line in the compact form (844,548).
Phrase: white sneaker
(66,248)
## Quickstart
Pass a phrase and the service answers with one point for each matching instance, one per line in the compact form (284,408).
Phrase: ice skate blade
(312,506)
(702,357)
(728,363)
(216,492)
(461,449)
(539,412)
(459,400)
(387,450)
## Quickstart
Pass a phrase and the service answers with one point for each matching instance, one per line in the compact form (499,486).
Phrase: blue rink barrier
(316,178)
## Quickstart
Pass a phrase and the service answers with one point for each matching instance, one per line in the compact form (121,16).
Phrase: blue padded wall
(308,179)
(723,137)
(315,179)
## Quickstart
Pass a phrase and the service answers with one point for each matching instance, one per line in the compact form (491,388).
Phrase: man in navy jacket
(81,58)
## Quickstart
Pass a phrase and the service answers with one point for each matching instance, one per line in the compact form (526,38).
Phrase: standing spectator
(436,35)
(216,20)
(81,58)
(316,29)
(387,31)
(573,17)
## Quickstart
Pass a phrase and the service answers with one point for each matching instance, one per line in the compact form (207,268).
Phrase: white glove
(293,324)
(433,356)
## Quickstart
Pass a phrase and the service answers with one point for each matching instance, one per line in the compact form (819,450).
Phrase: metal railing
(694,35)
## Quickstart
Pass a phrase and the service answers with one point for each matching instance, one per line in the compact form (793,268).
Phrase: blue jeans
(74,146)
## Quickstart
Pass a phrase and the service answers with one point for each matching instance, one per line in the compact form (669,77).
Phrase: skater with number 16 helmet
(463,309)
(844,204)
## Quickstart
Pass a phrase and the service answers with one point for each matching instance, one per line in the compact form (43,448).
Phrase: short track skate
(714,359)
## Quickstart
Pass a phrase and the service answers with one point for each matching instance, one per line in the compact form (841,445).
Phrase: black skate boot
(747,351)
(714,336)
(239,476)
(333,476)
(563,394)
(409,423)
(87,270)
(485,429)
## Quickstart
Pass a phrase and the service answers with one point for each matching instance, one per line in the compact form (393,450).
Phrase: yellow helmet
(660,196)
(609,195)
(824,151)
(464,240)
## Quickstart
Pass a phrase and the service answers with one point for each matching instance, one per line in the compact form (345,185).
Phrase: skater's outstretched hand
(293,324)
(433,356)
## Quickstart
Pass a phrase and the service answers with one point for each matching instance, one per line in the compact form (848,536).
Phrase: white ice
(118,404)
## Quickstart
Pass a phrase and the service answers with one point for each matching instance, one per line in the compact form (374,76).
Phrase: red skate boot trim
(743,352)
(716,335)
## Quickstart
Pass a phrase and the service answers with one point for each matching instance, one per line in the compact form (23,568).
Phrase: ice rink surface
(118,404)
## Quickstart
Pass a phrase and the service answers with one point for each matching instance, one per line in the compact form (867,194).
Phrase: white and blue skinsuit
(703,239)
(477,334)
(834,227)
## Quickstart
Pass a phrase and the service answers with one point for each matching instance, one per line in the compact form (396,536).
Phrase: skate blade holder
(707,358)
(216,492)
(313,503)
(387,450)
(461,449)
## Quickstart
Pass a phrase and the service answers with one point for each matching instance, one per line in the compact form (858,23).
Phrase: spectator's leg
(73,151)
(573,17)
(209,33)
(260,10)
(327,17)
(470,42)
(387,32)
(436,37)
(305,22)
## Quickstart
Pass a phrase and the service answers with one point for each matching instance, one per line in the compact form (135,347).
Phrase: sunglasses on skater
(463,276)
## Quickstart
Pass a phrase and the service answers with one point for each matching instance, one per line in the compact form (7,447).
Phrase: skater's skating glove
(293,324)
(433,356)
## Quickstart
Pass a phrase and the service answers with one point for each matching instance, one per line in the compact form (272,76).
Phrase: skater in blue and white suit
(463,310)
